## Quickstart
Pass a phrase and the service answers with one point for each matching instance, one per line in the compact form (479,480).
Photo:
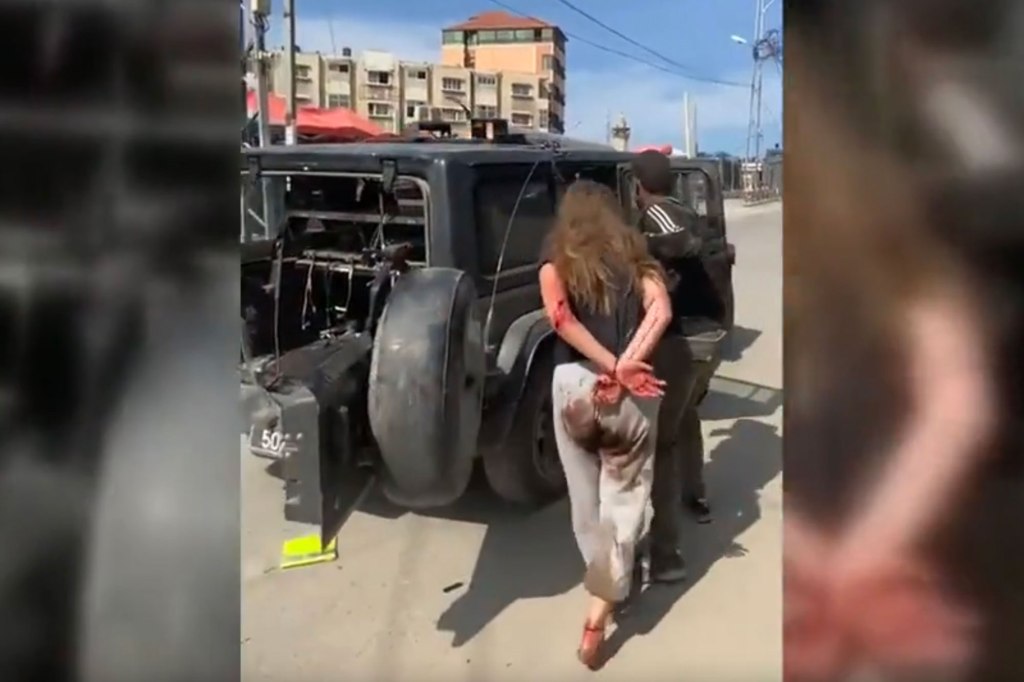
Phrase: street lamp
(738,39)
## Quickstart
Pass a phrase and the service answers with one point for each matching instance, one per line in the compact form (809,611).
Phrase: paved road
(382,612)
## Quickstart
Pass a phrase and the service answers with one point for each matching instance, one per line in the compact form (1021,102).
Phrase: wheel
(527,469)
(426,387)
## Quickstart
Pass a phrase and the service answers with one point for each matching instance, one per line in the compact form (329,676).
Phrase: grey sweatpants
(608,460)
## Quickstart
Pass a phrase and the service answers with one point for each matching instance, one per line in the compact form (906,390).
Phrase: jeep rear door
(697,186)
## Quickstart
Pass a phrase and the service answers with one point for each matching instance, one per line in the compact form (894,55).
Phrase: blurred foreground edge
(118,340)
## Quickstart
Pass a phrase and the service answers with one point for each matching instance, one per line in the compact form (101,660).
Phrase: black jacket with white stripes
(670,228)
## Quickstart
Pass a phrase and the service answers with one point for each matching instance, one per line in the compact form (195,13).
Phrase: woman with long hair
(606,300)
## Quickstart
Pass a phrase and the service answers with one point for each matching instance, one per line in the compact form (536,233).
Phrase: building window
(486,80)
(543,118)
(549,62)
(412,107)
(453,84)
(339,68)
(453,37)
(379,110)
(303,73)
(542,89)
(486,111)
(505,36)
(524,120)
(547,34)
(522,90)
(379,77)
(334,101)
(453,115)
(486,37)
(418,75)
(524,36)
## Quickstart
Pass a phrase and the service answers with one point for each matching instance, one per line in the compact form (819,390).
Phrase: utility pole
(693,131)
(686,124)
(753,126)
(289,115)
(260,12)
(766,47)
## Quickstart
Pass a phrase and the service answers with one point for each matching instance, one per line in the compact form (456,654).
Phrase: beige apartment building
(530,52)
(519,81)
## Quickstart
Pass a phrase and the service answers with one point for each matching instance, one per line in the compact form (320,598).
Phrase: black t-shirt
(612,330)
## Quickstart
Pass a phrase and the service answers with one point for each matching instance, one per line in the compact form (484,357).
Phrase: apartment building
(339,80)
(378,92)
(516,47)
(522,82)
(309,78)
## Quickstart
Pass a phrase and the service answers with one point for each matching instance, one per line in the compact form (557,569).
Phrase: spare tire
(426,387)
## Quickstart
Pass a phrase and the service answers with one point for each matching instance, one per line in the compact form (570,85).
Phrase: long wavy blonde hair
(592,247)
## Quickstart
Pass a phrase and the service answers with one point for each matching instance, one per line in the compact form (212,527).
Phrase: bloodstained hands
(892,615)
(632,375)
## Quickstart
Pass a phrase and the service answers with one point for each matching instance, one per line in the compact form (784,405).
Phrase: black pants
(679,454)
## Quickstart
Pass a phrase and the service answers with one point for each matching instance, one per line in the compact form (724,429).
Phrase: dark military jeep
(392,317)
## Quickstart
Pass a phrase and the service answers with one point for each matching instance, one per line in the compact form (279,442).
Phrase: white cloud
(651,100)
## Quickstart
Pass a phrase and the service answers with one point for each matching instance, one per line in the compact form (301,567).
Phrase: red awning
(665,149)
(336,122)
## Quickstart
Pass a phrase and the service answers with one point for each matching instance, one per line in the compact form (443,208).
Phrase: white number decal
(272,440)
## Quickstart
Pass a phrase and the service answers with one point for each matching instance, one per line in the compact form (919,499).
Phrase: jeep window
(692,188)
(495,198)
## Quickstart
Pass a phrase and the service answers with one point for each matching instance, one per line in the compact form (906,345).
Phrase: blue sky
(691,32)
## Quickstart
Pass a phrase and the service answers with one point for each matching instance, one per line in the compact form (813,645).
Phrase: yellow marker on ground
(307,550)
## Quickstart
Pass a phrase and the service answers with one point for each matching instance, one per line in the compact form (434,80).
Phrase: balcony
(378,93)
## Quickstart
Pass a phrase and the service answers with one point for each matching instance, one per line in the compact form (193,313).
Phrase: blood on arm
(657,315)
(565,324)
(560,314)
(945,437)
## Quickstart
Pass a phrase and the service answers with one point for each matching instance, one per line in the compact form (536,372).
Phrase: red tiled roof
(498,20)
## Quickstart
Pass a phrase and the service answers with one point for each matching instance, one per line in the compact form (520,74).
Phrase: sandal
(589,651)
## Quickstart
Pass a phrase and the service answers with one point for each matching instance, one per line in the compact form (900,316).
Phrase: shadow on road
(740,466)
(524,555)
(739,339)
(527,555)
(736,399)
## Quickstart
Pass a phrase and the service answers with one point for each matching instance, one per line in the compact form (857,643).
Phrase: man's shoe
(699,507)
(667,567)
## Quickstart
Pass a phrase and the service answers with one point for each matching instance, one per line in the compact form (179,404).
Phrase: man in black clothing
(679,459)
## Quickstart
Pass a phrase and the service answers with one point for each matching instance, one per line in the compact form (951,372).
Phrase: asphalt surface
(481,592)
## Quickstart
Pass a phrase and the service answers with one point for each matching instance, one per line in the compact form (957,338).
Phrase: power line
(626,55)
(645,48)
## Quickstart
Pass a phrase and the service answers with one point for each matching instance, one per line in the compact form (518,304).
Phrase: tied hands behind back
(635,376)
